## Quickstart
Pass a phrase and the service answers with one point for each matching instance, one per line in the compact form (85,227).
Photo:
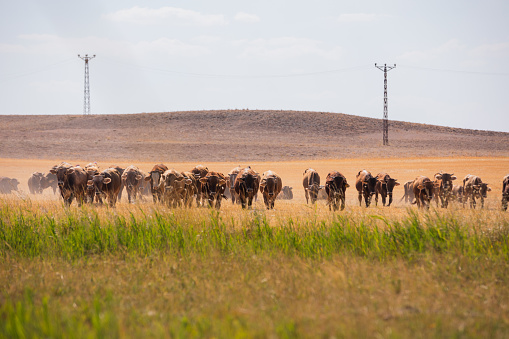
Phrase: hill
(234,135)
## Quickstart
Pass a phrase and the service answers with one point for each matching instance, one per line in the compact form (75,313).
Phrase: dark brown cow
(384,186)
(409,192)
(286,193)
(311,184)
(154,176)
(457,193)
(335,187)
(505,192)
(72,182)
(365,184)
(50,180)
(120,171)
(270,187)
(191,188)
(474,188)
(8,185)
(35,183)
(132,179)
(106,184)
(174,187)
(213,186)
(444,191)
(232,175)
(423,189)
(246,186)
(200,171)
(92,169)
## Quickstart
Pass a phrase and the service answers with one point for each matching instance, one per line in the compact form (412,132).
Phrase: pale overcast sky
(157,56)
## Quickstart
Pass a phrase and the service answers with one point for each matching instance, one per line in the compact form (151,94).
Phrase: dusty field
(491,170)
(234,136)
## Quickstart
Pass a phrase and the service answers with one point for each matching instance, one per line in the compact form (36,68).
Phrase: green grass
(153,272)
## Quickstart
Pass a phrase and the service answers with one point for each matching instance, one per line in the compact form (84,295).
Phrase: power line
(16,75)
(454,71)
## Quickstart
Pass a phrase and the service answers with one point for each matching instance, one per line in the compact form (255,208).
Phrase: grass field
(144,270)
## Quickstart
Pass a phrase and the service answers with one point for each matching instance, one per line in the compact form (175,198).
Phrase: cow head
(269,186)
(247,183)
(97,183)
(313,190)
(214,186)
(62,174)
(390,184)
(232,177)
(369,184)
(446,180)
(336,185)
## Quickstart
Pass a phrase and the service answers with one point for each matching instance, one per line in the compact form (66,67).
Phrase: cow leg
(342,202)
(384,199)
(482,202)
(120,192)
(266,200)
(307,196)
(360,198)
(504,202)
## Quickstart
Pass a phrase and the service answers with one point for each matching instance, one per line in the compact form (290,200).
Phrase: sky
(161,56)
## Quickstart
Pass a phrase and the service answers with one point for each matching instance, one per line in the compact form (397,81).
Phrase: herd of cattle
(242,185)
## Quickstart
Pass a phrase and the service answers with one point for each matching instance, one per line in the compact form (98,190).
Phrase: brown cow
(423,189)
(232,175)
(384,186)
(7,185)
(444,191)
(191,188)
(311,184)
(213,186)
(505,192)
(474,188)
(50,180)
(120,171)
(92,169)
(457,193)
(409,192)
(72,182)
(335,187)
(286,193)
(365,184)
(270,187)
(154,176)
(246,186)
(200,171)
(174,187)
(35,183)
(132,179)
(106,184)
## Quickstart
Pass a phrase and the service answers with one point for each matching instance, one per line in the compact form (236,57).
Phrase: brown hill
(234,135)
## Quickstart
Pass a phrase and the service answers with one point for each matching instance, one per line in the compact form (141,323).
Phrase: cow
(132,179)
(474,188)
(335,187)
(311,184)
(106,184)
(72,182)
(92,169)
(505,192)
(35,183)
(200,171)
(457,193)
(444,191)
(365,184)
(409,192)
(174,187)
(286,193)
(191,188)
(246,186)
(213,186)
(232,175)
(270,187)
(423,189)
(8,185)
(50,180)
(384,186)
(120,171)
(154,177)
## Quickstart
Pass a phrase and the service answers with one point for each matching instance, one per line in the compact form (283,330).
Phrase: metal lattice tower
(385,69)
(86,104)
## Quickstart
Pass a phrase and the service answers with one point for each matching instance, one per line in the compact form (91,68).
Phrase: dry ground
(236,136)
